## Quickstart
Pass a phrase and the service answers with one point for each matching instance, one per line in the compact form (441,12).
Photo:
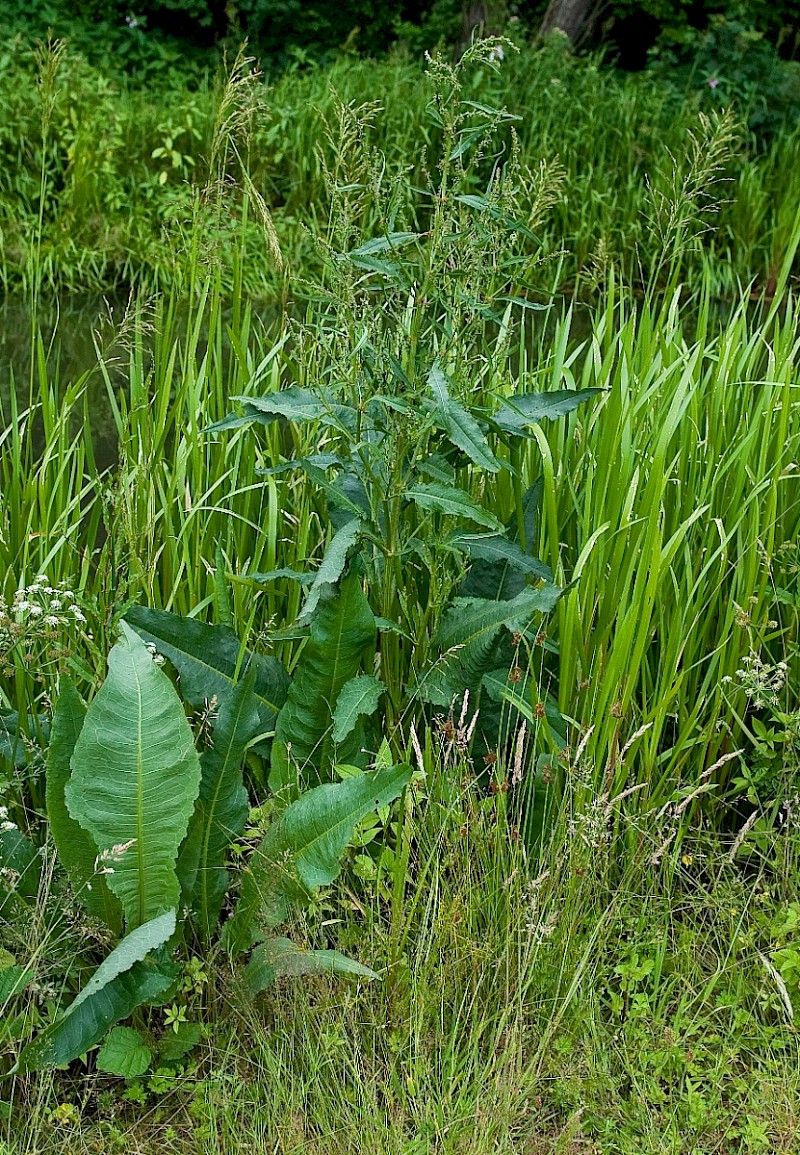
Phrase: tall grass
(626,979)
(123,165)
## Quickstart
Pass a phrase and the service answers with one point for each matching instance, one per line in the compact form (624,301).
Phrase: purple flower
(713,82)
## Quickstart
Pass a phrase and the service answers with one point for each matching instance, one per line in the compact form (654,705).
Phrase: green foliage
(135,777)
(154,823)
(731,63)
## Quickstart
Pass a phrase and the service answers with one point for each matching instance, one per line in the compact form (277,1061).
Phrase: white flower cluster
(39,610)
(761,682)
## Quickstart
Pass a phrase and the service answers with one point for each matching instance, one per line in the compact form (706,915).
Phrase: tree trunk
(568,16)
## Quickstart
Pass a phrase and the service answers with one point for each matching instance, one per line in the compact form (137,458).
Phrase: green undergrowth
(104,197)
(529,564)
(582,1003)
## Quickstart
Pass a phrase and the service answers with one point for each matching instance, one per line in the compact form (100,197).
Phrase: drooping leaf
(301,850)
(125,980)
(76,850)
(124,1053)
(342,630)
(135,778)
(460,426)
(279,957)
(358,697)
(468,618)
(222,808)
(467,638)
(210,660)
(495,547)
(295,404)
(302,577)
(332,566)
(454,502)
(524,409)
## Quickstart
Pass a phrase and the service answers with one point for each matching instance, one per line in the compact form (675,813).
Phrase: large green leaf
(468,636)
(210,660)
(358,698)
(135,778)
(342,630)
(123,981)
(76,850)
(332,566)
(21,866)
(294,404)
(124,1053)
(301,850)
(460,426)
(279,957)
(498,549)
(452,501)
(524,409)
(469,618)
(221,811)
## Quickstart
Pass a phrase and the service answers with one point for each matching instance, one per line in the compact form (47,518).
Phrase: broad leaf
(177,1043)
(332,566)
(524,409)
(342,630)
(454,502)
(13,980)
(279,957)
(21,866)
(76,850)
(460,426)
(468,618)
(124,1053)
(495,547)
(135,778)
(468,638)
(221,811)
(295,404)
(210,660)
(301,850)
(123,981)
(359,697)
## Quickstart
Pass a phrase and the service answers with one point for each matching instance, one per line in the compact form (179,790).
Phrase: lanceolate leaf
(383,244)
(358,697)
(135,777)
(524,409)
(468,635)
(454,502)
(122,982)
(496,547)
(295,404)
(76,851)
(301,850)
(468,618)
(342,630)
(332,567)
(210,660)
(278,957)
(222,808)
(460,426)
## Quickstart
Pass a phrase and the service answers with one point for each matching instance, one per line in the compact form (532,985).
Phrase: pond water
(67,327)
